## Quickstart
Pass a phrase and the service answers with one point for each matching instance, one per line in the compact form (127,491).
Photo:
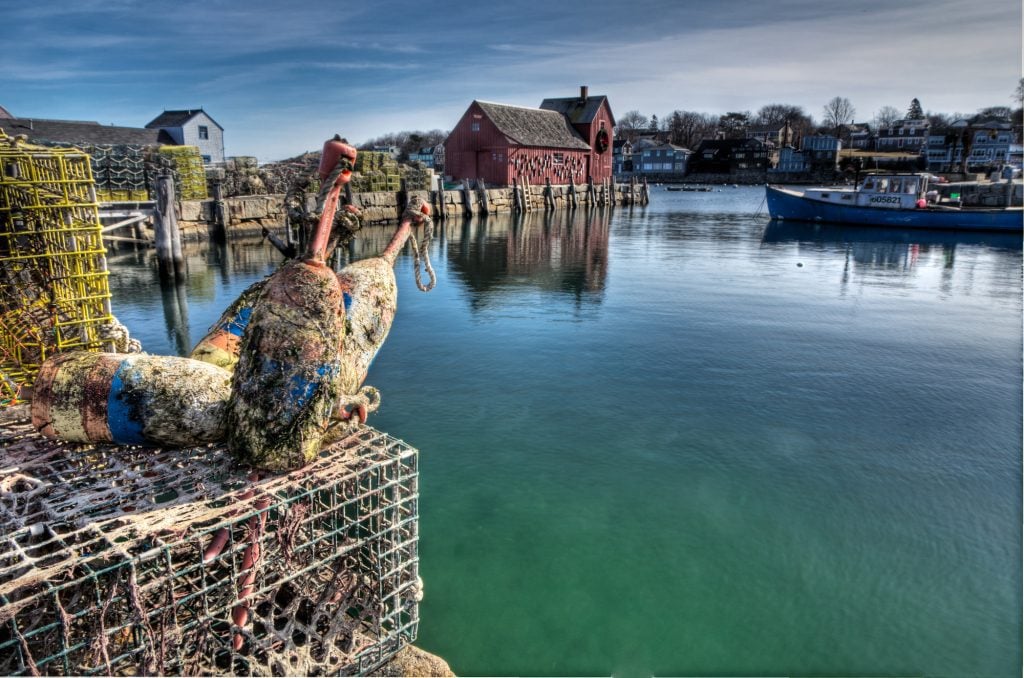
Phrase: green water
(678,440)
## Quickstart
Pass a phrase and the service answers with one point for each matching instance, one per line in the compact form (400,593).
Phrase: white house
(193,127)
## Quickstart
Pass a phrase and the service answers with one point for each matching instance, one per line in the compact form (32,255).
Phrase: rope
(428,232)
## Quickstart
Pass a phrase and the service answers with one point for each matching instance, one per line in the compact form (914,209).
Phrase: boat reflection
(827,233)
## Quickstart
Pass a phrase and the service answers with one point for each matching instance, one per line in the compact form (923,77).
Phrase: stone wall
(247,215)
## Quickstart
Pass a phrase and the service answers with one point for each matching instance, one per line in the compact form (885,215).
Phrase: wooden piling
(167,235)
(220,221)
(591,197)
(481,187)
(549,196)
(517,204)
(611,183)
(403,195)
(467,198)
(572,194)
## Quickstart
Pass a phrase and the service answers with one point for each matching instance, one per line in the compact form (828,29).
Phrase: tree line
(689,128)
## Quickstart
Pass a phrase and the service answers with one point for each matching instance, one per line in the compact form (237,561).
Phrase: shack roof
(178,118)
(578,110)
(82,132)
(533,126)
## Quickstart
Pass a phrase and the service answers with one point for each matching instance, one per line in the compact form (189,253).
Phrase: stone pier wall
(247,215)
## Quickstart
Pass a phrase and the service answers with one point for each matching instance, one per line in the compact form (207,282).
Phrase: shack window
(558,159)
(204,132)
(475,127)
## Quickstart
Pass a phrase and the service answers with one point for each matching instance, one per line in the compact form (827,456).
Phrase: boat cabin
(887,191)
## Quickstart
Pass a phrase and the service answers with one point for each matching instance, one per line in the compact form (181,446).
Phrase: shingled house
(565,139)
(81,132)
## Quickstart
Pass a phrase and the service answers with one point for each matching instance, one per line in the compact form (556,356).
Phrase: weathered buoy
(130,399)
(285,382)
(221,344)
(371,299)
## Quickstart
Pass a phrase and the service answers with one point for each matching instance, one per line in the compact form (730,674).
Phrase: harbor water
(682,440)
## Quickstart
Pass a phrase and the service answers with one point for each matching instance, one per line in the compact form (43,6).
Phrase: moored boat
(895,200)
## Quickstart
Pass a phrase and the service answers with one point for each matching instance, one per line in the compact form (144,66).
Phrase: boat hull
(789,205)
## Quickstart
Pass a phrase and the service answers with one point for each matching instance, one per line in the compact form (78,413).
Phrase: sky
(281,79)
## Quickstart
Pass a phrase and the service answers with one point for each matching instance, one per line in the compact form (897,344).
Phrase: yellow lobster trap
(54,293)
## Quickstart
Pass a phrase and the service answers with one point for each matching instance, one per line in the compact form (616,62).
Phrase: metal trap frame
(107,562)
(54,293)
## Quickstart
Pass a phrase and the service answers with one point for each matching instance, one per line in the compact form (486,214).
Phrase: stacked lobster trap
(129,560)
(54,293)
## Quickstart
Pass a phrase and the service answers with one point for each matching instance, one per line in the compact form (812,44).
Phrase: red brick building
(564,139)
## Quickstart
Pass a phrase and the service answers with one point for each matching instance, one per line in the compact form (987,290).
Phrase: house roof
(81,132)
(533,126)
(576,109)
(178,118)
(4,113)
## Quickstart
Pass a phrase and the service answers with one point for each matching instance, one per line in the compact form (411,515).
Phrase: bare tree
(631,124)
(779,114)
(838,112)
(886,116)
(688,128)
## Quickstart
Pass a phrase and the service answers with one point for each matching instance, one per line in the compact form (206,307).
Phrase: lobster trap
(128,560)
(54,293)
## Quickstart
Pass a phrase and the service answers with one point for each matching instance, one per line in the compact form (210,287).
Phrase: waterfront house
(568,139)
(791,161)
(193,127)
(987,143)
(860,137)
(906,136)
(723,156)
(821,152)
(662,158)
(622,156)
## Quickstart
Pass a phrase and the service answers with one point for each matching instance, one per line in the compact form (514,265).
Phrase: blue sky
(281,79)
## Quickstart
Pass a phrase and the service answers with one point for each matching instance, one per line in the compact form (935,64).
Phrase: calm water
(679,440)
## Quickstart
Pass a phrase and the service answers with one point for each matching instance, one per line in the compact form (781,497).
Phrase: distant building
(662,158)
(723,156)
(391,151)
(988,143)
(193,127)
(568,139)
(425,155)
(779,135)
(821,152)
(907,136)
(622,156)
(861,138)
(791,161)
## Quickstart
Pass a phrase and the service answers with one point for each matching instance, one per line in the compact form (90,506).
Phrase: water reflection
(896,254)
(563,254)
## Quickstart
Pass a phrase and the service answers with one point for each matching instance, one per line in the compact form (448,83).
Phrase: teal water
(679,440)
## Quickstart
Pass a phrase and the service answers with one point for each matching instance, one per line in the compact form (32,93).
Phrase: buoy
(371,299)
(370,295)
(132,399)
(221,344)
(285,382)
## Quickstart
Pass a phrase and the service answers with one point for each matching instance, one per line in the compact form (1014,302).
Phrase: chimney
(583,94)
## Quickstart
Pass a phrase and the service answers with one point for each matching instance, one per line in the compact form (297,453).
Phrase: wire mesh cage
(54,293)
(130,560)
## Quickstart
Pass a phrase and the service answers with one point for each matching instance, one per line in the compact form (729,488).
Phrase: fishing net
(109,562)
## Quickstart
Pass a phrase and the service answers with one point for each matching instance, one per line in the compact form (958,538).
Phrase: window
(558,159)
(475,127)
(204,132)
(206,159)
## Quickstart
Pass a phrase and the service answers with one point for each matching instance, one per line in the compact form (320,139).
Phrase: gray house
(193,127)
